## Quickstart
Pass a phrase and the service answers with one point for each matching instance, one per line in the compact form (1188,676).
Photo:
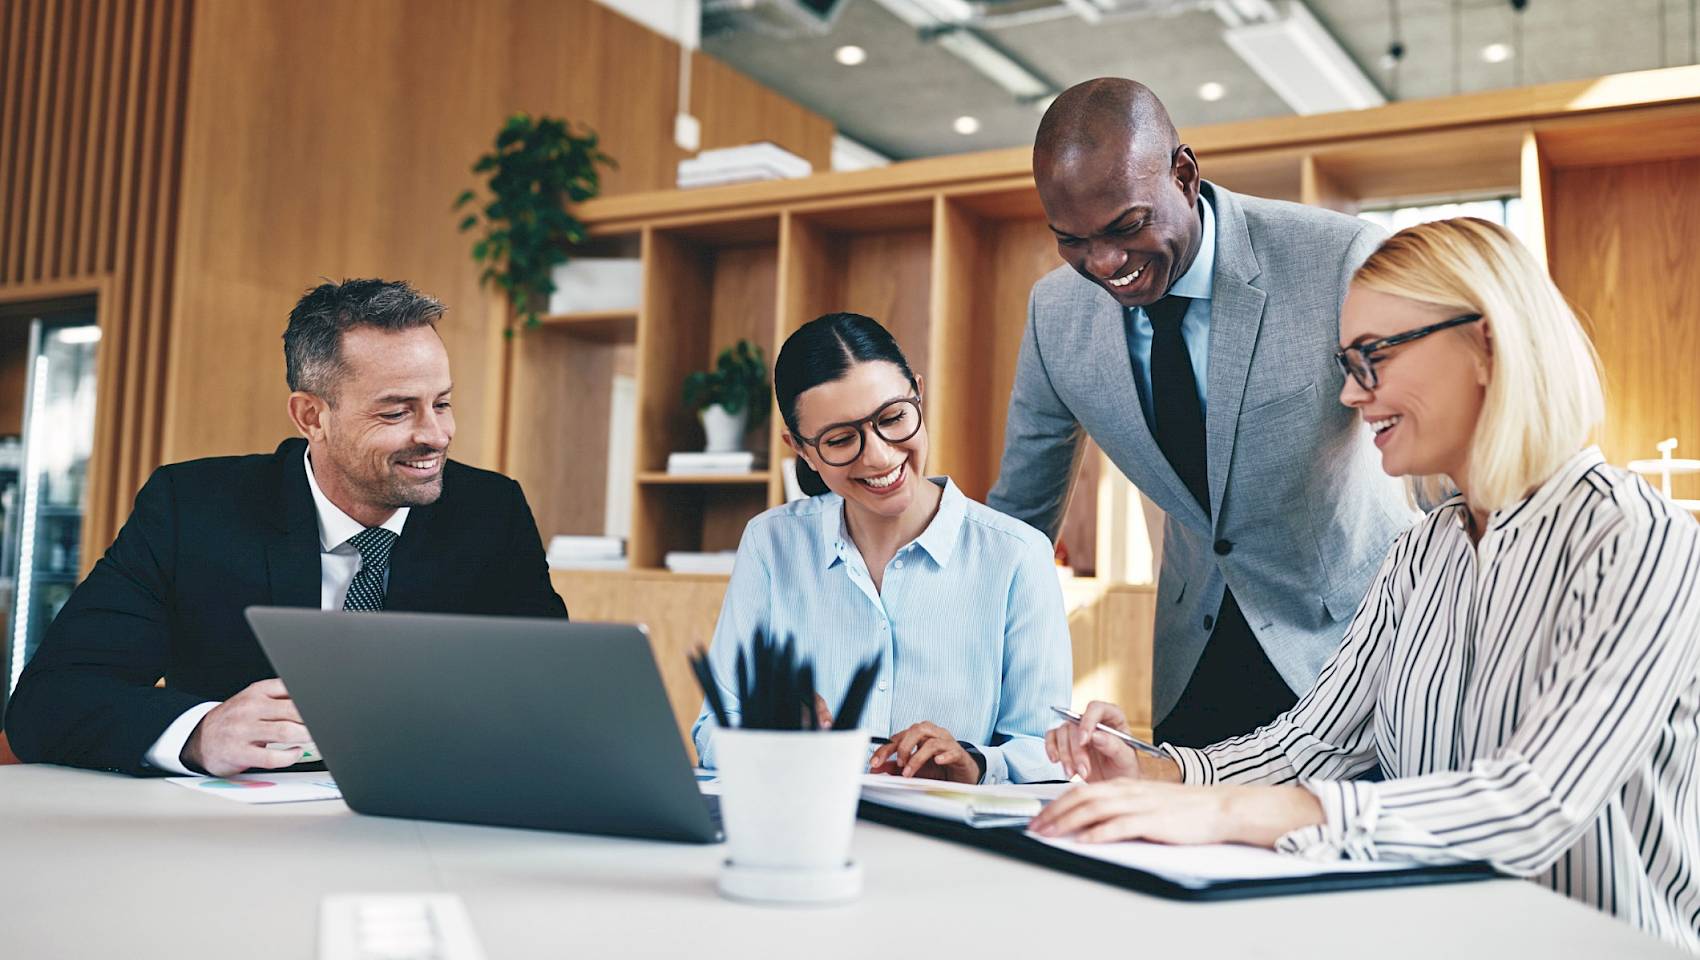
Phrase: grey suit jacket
(1301,512)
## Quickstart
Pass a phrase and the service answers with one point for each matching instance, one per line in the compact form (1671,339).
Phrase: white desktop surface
(95,864)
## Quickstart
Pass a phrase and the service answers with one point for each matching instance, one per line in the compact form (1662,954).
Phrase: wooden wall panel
(1623,252)
(733,111)
(329,140)
(91,120)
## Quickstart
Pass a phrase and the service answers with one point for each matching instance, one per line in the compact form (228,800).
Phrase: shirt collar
(1530,508)
(335,527)
(938,540)
(1549,494)
(1196,282)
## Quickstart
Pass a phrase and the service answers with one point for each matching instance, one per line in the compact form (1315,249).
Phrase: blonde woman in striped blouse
(1525,668)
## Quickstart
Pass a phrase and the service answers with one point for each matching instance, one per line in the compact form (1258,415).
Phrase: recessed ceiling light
(1496,53)
(850,55)
(967,126)
(1212,91)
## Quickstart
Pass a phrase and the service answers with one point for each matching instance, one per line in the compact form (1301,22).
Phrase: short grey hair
(312,345)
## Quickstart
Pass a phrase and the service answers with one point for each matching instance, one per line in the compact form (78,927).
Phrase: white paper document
(289,787)
(1200,866)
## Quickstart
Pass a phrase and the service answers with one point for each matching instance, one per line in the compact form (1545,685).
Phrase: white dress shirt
(1195,284)
(1534,700)
(338,563)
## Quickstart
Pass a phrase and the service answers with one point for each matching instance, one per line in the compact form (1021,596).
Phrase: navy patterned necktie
(367,590)
(1174,398)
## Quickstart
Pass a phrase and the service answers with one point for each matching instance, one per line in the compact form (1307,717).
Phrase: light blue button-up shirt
(970,620)
(1195,325)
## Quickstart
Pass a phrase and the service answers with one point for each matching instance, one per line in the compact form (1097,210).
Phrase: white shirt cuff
(1195,765)
(167,752)
(1350,809)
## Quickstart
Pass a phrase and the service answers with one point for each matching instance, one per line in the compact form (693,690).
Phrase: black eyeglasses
(1358,360)
(841,443)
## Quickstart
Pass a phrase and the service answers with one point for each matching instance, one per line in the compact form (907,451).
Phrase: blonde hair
(1543,394)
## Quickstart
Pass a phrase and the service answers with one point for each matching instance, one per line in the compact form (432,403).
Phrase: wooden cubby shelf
(603,326)
(704,479)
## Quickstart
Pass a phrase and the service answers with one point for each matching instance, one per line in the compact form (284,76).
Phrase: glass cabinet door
(44,525)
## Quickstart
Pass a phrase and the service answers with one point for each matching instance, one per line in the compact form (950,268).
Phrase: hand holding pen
(1097,745)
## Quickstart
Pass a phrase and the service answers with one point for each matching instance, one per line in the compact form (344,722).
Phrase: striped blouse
(1534,701)
(969,621)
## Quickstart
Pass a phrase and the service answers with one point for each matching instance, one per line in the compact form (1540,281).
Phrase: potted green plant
(731,398)
(537,168)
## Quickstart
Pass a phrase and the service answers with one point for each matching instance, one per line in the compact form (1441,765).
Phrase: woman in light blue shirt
(962,602)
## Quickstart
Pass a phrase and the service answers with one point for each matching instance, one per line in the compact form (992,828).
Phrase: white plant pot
(788,803)
(725,431)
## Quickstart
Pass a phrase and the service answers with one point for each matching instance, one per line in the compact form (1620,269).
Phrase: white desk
(97,864)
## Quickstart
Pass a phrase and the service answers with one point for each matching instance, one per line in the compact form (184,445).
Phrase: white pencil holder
(788,805)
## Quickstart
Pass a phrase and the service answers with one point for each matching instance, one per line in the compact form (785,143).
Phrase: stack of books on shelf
(685,561)
(695,464)
(746,164)
(587,553)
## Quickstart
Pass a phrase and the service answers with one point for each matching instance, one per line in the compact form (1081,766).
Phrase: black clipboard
(1013,842)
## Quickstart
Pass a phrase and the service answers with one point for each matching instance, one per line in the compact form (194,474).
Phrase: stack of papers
(587,553)
(978,805)
(688,464)
(684,561)
(746,164)
(1202,865)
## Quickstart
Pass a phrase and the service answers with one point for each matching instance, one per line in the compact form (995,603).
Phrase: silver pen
(1128,739)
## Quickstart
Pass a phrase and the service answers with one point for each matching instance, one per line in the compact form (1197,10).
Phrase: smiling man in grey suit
(1191,334)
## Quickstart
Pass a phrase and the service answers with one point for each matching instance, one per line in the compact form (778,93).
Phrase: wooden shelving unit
(705,479)
(945,252)
(600,326)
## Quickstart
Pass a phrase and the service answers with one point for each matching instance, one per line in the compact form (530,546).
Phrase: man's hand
(232,737)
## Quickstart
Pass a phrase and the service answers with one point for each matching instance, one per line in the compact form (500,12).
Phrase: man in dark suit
(365,513)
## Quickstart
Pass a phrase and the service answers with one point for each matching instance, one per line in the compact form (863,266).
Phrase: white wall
(678,20)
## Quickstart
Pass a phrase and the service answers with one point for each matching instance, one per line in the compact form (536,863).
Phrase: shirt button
(898,564)
(1209,621)
(884,626)
(1224,547)
(882,684)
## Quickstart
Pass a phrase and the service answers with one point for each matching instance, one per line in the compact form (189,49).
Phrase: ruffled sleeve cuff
(1350,810)
(1195,765)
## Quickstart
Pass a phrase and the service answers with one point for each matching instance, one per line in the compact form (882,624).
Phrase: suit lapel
(1236,315)
(413,571)
(1149,469)
(292,547)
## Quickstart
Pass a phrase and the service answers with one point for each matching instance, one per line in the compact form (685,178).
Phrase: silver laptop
(509,721)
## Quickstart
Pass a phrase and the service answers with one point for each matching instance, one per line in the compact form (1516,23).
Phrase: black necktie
(366,592)
(1174,398)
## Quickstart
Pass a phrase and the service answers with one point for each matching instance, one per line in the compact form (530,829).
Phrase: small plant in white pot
(731,398)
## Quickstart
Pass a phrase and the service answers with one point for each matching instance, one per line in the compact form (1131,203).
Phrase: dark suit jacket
(208,539)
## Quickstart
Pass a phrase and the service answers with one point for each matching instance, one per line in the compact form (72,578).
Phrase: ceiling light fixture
(850,55)
(1211,92)
(966,125)
(1496,53)
(1303,63)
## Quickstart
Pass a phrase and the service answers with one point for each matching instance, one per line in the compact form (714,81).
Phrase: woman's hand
(925,750)
(1084,749)
(1174,813)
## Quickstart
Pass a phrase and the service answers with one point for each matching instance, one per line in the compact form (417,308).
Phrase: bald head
(1108,115)
(1120,190)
